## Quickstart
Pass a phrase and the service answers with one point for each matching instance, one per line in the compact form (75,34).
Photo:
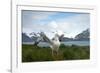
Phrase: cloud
(41,15)
(52,21)
(53,24)
(35,18)
(74,24)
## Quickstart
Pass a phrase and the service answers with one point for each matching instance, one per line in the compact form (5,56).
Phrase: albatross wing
(45,38)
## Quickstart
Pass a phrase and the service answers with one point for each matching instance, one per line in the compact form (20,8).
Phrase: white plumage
(54,43)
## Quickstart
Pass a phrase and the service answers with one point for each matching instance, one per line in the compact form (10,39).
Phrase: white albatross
(54,43)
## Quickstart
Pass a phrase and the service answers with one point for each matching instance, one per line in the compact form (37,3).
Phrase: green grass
(32,53)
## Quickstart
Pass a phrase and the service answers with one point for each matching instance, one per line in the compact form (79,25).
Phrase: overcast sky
(63,22)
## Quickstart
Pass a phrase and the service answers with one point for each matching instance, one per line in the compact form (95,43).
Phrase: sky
(69,23)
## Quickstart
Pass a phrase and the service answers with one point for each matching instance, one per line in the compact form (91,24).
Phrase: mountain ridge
(83,36)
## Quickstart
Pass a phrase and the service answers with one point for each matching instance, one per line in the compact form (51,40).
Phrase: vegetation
(32,53)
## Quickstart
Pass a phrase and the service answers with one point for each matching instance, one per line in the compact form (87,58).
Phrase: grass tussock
(32,53)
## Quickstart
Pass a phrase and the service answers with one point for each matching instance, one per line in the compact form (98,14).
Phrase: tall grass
(32,53)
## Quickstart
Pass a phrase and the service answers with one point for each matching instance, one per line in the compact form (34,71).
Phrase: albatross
(54,43)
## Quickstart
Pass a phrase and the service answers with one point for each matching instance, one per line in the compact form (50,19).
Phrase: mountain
(34,38)
(26,38)
(85,35)
(64,39)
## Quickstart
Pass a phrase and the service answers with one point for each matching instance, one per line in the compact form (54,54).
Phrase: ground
(33,53)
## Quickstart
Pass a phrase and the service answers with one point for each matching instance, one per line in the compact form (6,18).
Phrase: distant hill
(34,38)
(26,38)
(66,39)
(85,35)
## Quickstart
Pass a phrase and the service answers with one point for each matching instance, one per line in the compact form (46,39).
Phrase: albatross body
(54,43)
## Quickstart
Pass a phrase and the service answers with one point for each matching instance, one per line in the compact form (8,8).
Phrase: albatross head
(59,36)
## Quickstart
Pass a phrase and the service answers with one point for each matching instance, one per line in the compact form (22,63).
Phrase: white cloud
(74,24)
(42,15)
(70,25)
(53,24)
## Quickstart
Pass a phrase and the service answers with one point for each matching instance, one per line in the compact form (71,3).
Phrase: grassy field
(32,53)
